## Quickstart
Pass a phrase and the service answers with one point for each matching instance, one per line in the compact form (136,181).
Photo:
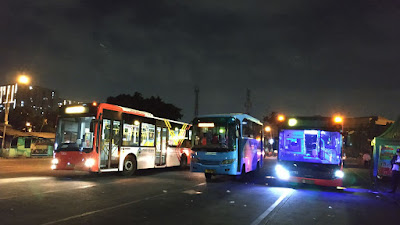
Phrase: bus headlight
(228,161)
(54,161)
(339,174)
(89,162)
(282,173)
(195,160)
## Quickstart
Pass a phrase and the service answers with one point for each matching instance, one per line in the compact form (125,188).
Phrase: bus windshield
(74,134)
(214,134)
(313,146)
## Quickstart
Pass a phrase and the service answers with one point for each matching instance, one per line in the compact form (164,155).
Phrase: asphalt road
(30,193)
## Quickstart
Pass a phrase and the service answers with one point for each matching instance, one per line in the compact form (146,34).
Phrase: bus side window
(248,128)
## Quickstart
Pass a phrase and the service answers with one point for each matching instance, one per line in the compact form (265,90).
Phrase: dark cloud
(298,57)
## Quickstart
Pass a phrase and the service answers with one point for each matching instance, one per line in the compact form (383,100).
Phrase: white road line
(22,179)
(101,210)
(112,207)
(271,208)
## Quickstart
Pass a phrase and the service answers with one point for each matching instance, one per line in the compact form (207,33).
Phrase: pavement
(30,193)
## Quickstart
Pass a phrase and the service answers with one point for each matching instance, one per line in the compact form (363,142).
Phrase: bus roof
(240,116)
(115,108)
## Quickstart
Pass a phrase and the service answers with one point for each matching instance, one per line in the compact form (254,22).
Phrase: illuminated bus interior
(313,146)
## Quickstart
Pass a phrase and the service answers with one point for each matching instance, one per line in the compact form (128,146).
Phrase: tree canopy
(154,105)
(19,116)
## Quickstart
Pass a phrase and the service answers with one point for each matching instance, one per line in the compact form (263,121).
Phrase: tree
(154,105)
(19,116)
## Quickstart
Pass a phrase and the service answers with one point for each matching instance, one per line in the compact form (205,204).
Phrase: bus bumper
(319,182)
(217,170)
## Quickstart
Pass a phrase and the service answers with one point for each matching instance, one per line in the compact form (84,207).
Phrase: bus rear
(310,151)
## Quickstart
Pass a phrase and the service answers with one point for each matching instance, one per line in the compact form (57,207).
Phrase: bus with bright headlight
(310,151)
(105,138)
(226,144)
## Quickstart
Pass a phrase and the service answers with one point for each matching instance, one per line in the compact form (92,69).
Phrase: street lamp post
(22,79)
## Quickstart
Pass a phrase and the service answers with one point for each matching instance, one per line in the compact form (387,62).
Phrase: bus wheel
(243,173)
(257,168)
(129,166)
(183,161)
(208,176)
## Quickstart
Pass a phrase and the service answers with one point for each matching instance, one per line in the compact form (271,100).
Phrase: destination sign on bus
(76,109)
(206,125)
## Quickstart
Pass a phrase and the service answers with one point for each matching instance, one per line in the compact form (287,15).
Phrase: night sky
(297,57)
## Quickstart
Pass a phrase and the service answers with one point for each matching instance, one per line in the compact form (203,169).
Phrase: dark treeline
(154,105)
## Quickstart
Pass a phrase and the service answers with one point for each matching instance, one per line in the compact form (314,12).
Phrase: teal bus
(226,144)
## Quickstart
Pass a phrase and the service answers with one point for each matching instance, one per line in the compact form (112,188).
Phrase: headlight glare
(54,161)
(228,161)
(282,173)
(339,174)
(89,162)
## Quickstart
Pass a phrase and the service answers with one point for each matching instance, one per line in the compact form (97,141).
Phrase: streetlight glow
(338,119)
(281,118)
(268,129)
(23,79)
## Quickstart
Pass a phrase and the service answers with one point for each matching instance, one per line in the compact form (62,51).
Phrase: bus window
(248,130)
(147,135)
(177,136)
(131,134)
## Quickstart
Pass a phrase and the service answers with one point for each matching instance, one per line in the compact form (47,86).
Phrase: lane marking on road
(272,207)
(114,207)
(22,179)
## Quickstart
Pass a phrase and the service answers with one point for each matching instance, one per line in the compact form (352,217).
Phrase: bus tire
(208,176)
(242,175)
(183,164)
(130,166)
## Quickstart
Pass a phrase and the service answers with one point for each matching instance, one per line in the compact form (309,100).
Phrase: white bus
(104,137)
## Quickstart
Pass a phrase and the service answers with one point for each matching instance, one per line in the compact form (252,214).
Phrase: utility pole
(196,101)
(248,104)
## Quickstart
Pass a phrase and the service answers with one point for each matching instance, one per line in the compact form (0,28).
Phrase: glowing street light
(338,119)
(281,118)
(268,129)
(23,79)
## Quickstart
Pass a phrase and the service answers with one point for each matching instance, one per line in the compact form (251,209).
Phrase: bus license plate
(305,181)
(210,171)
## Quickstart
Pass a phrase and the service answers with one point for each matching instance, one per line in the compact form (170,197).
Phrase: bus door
(111,137)
(158,146)
(161,146)
(164,146)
